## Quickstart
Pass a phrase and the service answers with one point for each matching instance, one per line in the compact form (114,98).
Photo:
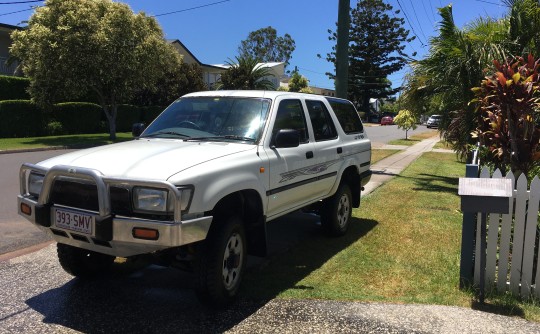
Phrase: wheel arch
(249,206)
(351,177)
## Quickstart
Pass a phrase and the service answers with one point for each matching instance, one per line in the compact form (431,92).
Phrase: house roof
(9,27)
(172,41)
(269,65)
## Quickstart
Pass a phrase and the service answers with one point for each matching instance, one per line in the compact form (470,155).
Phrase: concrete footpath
(320,316)
(391,166)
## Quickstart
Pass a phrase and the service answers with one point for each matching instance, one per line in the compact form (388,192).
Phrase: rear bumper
(365,177)
(113,235)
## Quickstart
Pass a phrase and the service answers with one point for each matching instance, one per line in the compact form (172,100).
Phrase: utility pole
(342,49)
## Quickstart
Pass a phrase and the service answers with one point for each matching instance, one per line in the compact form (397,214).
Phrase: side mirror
(287,138)
(137,129)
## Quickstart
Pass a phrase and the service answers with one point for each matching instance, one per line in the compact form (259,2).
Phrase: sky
(213,29)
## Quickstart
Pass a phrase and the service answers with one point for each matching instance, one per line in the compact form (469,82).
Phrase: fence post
(466,268)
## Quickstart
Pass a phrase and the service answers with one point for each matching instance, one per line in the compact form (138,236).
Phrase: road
(383,134)
(17,233)
(39,297)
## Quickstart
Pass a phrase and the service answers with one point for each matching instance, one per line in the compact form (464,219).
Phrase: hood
(156,159)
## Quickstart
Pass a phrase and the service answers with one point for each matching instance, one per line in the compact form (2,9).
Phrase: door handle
(339,150)
(309,154)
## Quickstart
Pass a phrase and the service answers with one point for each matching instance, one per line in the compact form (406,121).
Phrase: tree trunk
(110,112)
(112,121)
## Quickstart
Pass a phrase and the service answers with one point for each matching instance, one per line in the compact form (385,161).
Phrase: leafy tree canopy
(297,82)
(405,120)
(376,50)
(72,47)
(266,46)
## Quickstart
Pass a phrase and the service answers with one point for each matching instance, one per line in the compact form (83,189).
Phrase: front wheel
(221,262)
(83,263)
(336,212)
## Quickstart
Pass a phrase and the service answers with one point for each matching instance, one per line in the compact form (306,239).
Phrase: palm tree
(246,73)
(441,82)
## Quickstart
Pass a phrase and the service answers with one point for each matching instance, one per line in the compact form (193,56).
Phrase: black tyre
(83,263)
(221,262)
(336,212)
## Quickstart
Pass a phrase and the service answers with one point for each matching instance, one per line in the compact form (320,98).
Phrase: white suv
(198,185)
(433,121)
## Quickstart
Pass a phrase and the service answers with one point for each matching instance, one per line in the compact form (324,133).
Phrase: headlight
(35,183)
(149,199)
(158,200)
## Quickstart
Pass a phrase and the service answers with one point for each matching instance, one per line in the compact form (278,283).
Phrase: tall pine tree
(376,50)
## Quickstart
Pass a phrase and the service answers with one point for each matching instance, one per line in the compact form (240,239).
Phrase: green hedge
(14,88)
(127,115)
(77,117)
(21,118)
(150,113)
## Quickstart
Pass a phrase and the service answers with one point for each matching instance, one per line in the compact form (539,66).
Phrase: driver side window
(290,115)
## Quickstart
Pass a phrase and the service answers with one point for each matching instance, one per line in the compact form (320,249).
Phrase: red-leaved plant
(509,114)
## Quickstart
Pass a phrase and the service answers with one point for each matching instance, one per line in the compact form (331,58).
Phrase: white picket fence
(511,238)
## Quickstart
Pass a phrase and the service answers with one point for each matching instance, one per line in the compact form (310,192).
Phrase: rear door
(327,147)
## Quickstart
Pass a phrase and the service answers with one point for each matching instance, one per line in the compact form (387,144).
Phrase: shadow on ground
(153,299)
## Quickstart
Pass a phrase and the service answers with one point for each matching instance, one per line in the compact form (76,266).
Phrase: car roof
(252,93)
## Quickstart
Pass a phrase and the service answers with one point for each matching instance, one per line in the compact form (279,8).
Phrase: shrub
(13,88)
(20,118)
(54,128)
(78,117)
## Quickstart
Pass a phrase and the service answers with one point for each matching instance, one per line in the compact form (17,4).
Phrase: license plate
(74,221)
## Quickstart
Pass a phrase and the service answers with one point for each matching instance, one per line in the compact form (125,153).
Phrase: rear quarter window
(347,116)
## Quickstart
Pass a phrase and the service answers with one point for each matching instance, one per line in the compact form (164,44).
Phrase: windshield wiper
(155,134)
(226,137)
(235,137)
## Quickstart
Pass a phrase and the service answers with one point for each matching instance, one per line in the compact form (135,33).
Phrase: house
(212,73)
(5,43)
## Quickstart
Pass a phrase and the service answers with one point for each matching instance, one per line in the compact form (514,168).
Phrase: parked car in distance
(433,121)
(387,120)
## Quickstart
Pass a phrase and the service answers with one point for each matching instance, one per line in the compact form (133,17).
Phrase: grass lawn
(414,139)
(72,141)
(377,155)
(403,247)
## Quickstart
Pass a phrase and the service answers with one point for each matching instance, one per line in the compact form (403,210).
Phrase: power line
(417,20)
(19,2)
(489,2)
(431,11)
(20,11)
(410,25)
(192,8)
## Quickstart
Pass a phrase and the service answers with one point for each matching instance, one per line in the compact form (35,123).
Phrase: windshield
(211,118)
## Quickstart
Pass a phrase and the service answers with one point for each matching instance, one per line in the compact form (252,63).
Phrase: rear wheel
(83,263)
(336,212)
(221,262)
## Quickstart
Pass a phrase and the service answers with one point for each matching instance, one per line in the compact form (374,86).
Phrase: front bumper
(111,234)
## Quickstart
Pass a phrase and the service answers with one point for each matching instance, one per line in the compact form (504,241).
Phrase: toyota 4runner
(197,186)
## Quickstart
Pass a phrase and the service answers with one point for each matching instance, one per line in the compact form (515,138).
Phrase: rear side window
(323,126)
(347,116)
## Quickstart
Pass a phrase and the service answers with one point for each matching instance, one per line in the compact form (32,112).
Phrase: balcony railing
(5,69)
